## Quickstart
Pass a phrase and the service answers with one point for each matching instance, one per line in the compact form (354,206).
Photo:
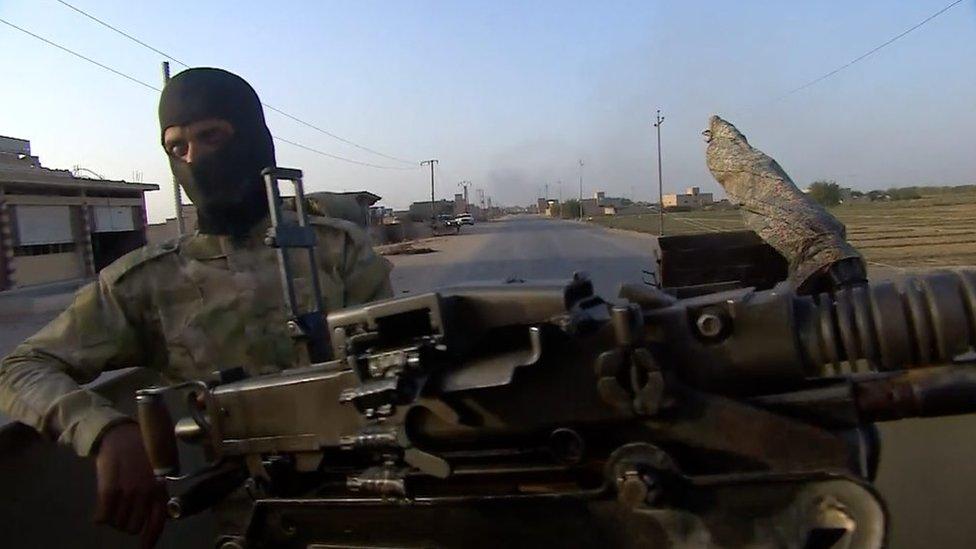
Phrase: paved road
(928,467)
(527,248)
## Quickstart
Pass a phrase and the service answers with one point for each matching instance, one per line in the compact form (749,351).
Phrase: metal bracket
(308,326)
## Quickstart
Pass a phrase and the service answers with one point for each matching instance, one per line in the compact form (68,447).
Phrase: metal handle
(159,432)
(158,435)
(206,489)
(308,326)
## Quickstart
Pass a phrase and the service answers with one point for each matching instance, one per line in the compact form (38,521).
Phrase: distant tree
(570,209)
(826,193)
(904,193)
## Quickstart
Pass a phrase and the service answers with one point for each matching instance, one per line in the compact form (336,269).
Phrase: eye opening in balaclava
(226,186)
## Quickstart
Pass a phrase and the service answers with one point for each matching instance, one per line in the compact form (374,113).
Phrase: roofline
(73,182)
(349,193)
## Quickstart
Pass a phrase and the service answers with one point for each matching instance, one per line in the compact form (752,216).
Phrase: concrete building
(157,233)
(461,204)
(421,211)
(355,206)
(591,207)
(547,207)
(692,198)
(381,215)
(55,226)
(601,204)
(352,205)
(552,208)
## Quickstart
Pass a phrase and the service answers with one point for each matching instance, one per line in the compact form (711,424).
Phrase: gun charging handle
(298,236)
(158,432)
(199,490)
(206,489)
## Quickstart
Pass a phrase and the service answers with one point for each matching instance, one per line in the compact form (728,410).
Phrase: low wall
(41,269)
(399,232)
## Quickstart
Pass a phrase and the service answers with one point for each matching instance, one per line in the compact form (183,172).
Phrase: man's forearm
(41,394)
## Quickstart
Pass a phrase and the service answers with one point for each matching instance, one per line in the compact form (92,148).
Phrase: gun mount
(474,416)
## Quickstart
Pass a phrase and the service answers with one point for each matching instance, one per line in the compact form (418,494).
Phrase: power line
(275,109)
(123,33)
(76,54)
(869,53)
(154,88)
(334,136)
(323,153)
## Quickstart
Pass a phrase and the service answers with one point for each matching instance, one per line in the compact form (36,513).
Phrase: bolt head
(631,489)
(294,329)
(710,324)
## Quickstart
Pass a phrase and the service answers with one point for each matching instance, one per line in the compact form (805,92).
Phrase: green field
(935,230)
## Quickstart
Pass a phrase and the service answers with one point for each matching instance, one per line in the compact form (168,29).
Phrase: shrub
(826,193)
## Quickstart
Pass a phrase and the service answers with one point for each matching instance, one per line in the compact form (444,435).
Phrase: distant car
(447,220)
(464,219)
(442,222)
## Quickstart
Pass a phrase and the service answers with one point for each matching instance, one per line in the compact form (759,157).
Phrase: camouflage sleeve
(807,235)
(39,380)
(367,274)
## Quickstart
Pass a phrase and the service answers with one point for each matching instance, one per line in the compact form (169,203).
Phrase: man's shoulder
(341,229)
(327,225)
(139,259)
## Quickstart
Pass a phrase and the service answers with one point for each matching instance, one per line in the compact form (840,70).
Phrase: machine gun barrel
(743,341)
(918,321)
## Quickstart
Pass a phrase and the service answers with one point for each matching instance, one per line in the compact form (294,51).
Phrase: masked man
(186,308)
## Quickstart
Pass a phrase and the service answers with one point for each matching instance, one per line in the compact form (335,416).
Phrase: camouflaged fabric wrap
(186,308)
(808,236)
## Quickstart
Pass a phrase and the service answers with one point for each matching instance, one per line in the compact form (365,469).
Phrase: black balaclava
(226,186)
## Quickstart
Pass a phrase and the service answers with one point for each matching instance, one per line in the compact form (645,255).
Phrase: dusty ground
(935,230)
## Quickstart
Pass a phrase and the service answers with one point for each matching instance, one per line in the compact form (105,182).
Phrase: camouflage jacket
(186,308)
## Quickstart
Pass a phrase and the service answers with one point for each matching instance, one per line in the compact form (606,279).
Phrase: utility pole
(433,213)
(660,184)
(547,192)
(177,198)
(581,189)
(465,184)
(560,184)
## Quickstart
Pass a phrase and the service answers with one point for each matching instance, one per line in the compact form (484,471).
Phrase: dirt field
(935,230)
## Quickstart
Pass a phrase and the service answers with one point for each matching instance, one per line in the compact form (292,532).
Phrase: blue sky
(510,94)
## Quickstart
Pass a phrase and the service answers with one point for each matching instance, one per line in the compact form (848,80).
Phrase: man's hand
(129,496)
